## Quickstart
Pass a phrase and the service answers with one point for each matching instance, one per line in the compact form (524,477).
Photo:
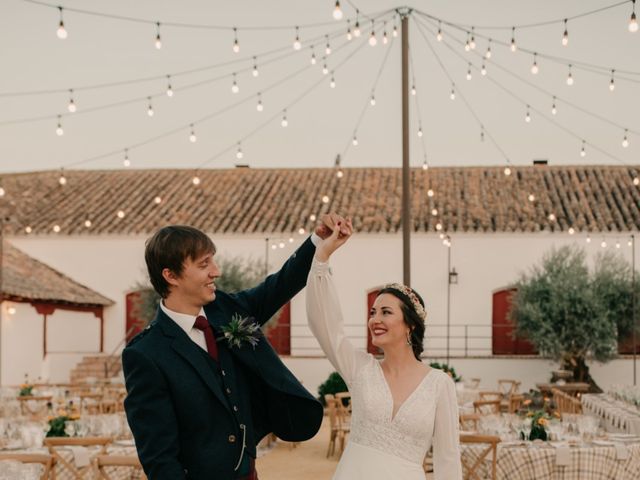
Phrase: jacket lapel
(188,350)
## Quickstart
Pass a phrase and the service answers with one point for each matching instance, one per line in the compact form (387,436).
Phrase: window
(278,330)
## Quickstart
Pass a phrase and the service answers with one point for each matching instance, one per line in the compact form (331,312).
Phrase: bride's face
(386,322)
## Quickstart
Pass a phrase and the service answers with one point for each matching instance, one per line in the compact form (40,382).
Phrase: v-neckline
(392,417)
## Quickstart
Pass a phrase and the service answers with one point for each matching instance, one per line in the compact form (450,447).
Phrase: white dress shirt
(186,322)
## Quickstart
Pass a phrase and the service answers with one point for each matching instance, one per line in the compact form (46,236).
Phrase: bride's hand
(334,241)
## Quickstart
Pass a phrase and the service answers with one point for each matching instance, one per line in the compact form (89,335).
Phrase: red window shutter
(503,341)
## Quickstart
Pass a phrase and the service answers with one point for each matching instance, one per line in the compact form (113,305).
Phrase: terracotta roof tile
(468,199)
(25,278)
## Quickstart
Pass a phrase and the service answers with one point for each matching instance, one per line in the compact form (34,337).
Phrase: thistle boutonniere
(241,330)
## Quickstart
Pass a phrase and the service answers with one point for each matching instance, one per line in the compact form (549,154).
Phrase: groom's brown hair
(169,247)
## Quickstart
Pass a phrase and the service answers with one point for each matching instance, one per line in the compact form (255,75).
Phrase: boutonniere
(241,330)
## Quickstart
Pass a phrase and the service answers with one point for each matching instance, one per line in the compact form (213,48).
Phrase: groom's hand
(343,229)
(328,223)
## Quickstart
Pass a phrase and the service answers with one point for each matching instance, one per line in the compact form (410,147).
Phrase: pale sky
(321,124)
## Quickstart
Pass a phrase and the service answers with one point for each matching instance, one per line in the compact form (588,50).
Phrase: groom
(200,397)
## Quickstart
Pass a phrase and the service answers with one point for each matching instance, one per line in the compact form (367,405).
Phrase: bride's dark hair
(411,318)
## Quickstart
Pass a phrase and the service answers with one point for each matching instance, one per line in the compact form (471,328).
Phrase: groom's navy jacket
(187,413)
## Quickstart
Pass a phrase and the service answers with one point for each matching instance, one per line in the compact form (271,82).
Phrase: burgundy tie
(203,324)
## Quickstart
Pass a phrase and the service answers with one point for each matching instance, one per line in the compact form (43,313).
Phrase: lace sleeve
(326,323)
(446,437)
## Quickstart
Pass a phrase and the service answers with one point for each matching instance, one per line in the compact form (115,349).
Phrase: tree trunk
(578,366)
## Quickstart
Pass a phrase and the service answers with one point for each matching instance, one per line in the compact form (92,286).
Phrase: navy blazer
(187,415)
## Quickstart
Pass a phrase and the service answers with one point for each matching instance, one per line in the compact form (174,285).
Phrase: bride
(400,406)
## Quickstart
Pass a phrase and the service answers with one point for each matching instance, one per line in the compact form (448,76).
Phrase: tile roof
(25,278)
(467,199)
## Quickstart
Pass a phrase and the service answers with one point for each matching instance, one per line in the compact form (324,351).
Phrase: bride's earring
(409,339)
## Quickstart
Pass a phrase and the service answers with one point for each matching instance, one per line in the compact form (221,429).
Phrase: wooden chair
(490,395)
(472,470)
(46,461)
(508,387)
(102,463)
(473,383)
(515,402)
(55,444)
(486,407)
(338,431)
(469,422)
(565,403)
(40,401)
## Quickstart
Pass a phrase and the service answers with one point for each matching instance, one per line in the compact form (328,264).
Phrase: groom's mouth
(211,286)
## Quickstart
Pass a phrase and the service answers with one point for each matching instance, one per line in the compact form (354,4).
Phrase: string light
(284,121)
(354,141)
(430,193)
(195,180)
(438,226)
(531,197)
(527,117)
(612,83)
(507,171)
(482,133)
(59,129)
(337,11)
(325,69)
(327,48)
(617,243)
(273,246)
(372,38)
(239,153)
(570,77)
(469,76)
(281,244)
(339,173)
(157,200)
(28,229)
(425,165)
(332,83)
(385,39)
(439,34)
(2,192)
(633,22)
(325,199)
(120,214)
(372,101)
(467,44)
(487,54)
(192,135)
(349,36)
(583,152)
(514,47)
(534,66)
(420,131)
(571,231)
(87,223)
(483,69)
(169,88)
(413,89)
(255,71)
(313,57)
(625,140)
(71,106)
(588,239)
(452,95)
(301,231)
(472,42)
(236,44)
(259,106)
(554,110)
(312,218)
(434,212)
(552,217)
(56,228)
(158,42)
(565,35)
(62,32)
(234,86)
(150,111)
(636,181)
(126,162)
(296,43)
(62,180)
(356,28)
(604,243)
(395,31)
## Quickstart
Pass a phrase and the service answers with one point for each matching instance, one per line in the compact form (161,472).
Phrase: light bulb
(325,199)
(59,129)
(583,152)
(532,197)
(313,59)
(372,101)
(296,43)
(570,77)
(28,229)
(332,83)
(169,91)
(395,32)
(633,22)
(487,54)
(356,29)
(259,106)
(469,76)
(636,181)
(236,46)
(120,214)
(354,141)
(420,132)
(452,95)
(327,48)
(554,110)
(467,47)
(239,153)
(349,36)
(425,166)
(284,121)
(61,32)
(192,136)
(603,244)
(157,200)
(507,171)
(439,35)
(588,239)
(565,35)
(434,212)
(618,244)
(571,231)
(126,161)
(534,68)
(2,192)
(438,226)
(234,86)
(625,140)
(150,111)
(483,70)
(325,70)
(552,217)
(385,39)
(337,11)
(527,117)
(413,90)
(56,228)
(158,42)
(274,246)
(430,193)
(339,173)
(87,223)
(514,47)
(195,180)
(71,106)
(372,39)
(312,217)
(301,231)
(62,180)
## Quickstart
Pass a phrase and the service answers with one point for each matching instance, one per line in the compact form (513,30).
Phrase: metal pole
(633,304)
(448,295)
(406,187)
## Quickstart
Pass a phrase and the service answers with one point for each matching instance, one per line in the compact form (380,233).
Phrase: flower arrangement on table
(58,422)
(448,369)
(26,388)
(538,421)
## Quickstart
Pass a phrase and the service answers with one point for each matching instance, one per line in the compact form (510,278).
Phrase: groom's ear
(170,276)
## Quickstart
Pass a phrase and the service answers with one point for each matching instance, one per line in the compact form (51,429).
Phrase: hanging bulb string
(548,93)
(539,112)
(248,98)
(366,105)
(196,26)
(529,25)
(553,58)
(158,94)
(278,111)
(464,100)
(315,42)
(418,110)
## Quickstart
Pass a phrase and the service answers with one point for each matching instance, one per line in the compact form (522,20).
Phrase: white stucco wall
(485,263)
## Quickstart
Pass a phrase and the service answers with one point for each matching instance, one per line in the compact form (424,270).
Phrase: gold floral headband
(409,293)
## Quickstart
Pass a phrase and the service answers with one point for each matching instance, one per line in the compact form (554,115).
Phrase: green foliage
(569,312)
(25,390)
(332,385)
(448,369)
(56,426)
(539,421)
(239,273)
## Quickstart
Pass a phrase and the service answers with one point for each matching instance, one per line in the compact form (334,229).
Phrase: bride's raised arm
(326,322)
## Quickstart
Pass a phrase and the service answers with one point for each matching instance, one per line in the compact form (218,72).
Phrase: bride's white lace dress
(382,446)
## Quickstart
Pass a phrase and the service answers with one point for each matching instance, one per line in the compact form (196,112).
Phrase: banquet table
(617,458)
(615,415)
